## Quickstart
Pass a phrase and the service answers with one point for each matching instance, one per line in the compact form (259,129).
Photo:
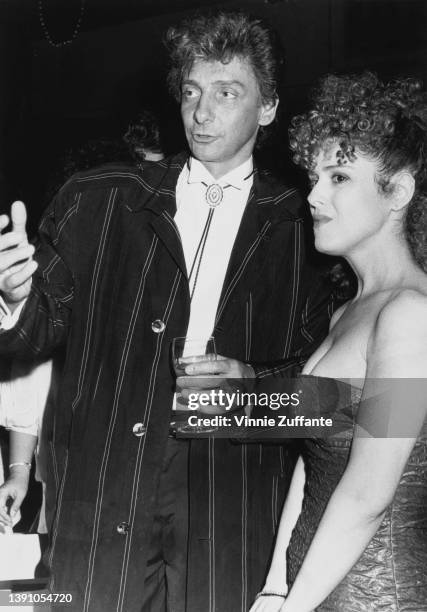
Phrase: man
(198,245)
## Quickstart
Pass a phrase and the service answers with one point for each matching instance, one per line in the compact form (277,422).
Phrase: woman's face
(346,203)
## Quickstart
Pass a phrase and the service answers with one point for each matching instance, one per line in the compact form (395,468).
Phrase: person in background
(23,399)
(89,154)
(358,542)
(143,138)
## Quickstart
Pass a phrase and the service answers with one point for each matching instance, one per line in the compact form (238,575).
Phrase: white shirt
(191,216)
(23,397)
(9,319)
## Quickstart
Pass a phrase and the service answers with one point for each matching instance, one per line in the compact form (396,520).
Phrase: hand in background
(16,263)
(12,493)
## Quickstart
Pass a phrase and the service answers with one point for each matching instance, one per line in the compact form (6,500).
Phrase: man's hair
(222,37)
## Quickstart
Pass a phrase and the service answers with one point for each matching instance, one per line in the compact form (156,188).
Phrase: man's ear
(403,189)
(268,111)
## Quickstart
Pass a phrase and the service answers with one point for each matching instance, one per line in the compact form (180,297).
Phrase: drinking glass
(187,350)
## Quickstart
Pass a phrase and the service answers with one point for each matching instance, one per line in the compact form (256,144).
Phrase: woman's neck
(384,267)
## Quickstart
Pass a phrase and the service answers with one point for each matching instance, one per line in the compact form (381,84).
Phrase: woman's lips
(320,219)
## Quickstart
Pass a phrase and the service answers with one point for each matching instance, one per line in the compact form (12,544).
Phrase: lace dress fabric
(391,574)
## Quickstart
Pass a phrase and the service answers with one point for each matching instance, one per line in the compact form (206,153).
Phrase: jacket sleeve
(44,321)
(315,315)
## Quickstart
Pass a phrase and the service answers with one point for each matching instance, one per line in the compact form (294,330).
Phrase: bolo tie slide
(214,195)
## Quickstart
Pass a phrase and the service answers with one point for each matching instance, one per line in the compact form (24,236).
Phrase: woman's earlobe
(403,190)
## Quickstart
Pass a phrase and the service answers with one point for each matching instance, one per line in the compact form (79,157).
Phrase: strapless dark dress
(391,574)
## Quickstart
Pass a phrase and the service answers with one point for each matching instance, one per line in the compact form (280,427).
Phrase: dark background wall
(53,97)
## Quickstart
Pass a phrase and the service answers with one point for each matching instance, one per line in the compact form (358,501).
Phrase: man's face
(221,109)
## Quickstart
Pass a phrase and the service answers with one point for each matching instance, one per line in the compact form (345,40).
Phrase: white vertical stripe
(212,525)
(111,425)
(99,257)
(93,291)
(141,446)
(248,344)
(241,269)
(295,289)
(244,513)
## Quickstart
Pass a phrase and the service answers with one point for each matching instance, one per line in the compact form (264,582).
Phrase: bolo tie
(214,195)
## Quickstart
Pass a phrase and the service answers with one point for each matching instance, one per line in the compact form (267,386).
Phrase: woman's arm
(397,350)
(276,579)
(14,490)
(22,403)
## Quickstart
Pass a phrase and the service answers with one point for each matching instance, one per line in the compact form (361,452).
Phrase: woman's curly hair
(385,121)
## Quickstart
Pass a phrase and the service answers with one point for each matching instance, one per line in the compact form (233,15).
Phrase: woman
(23,400)
(360,541)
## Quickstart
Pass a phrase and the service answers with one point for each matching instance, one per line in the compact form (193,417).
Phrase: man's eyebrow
(218,82)
(229,82)
(189,82)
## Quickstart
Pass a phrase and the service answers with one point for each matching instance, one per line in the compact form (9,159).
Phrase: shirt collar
(197,173)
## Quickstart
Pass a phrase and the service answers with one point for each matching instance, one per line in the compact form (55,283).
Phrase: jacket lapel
(164,227)
(160,183)
(261,215)
(263,212)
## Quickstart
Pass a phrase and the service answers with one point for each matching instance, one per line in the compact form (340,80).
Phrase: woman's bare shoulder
(407,308)
(398,345)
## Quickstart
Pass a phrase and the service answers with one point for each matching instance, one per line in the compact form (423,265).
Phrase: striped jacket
(112,284)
